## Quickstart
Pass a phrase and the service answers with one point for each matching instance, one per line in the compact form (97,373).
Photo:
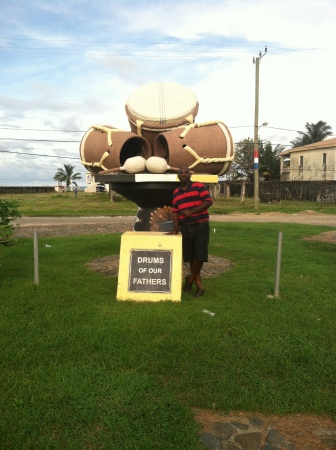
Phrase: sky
(66,65)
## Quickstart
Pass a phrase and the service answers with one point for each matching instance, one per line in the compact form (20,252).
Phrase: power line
(202,50)
(129,42)
(141,50)
(68,157)
(285,129)
(36,154)
(220,44)
(35,129)
(273,128)
(42,148)
(197,55)
(78,131)
(35,140)
(82,131)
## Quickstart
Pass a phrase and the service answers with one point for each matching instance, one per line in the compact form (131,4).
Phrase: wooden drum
(157,107)
(104,147)
(204,148)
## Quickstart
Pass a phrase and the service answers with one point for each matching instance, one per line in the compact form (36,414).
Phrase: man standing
(191,201)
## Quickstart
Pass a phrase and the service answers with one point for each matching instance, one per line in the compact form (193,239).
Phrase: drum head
(162,104)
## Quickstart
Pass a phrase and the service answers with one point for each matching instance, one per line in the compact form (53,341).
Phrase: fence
(314,191)
(25,189)
(269,191)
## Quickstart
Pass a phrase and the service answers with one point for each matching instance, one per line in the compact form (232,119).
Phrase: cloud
(71,64)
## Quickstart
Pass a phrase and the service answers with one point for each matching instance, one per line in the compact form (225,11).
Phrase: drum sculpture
(163,136)
(104,147)
(157,107)
(204,148)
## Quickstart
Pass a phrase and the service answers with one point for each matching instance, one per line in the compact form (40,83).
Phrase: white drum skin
(156,107)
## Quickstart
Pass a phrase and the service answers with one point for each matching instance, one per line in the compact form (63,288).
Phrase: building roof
(327,143)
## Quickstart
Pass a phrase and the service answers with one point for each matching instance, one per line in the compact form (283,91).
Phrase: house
(93,186)
(312,162)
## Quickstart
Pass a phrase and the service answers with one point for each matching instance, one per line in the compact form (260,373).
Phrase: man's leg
(194,239)
(195,269)
(200,240)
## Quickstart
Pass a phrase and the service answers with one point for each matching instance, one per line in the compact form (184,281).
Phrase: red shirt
(195,194)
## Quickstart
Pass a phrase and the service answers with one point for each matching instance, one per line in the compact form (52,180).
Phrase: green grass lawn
(81,370)
(87,204)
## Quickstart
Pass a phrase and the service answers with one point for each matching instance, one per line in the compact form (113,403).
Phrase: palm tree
(59,178)
(269,161)
(316,132)
(67,174)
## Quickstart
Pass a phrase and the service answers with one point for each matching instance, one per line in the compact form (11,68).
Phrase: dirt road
(69,226)
(306,217)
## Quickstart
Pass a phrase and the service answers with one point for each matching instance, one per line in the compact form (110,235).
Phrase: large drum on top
(157,107)
(204,148)
(104,148)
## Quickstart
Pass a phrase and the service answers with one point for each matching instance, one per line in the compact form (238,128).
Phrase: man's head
(184,174)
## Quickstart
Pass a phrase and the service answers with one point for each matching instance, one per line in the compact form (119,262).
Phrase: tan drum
(104,147)
(161,106)
(204,148)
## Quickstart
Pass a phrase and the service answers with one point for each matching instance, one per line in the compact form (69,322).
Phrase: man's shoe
(199,293)
(187,286)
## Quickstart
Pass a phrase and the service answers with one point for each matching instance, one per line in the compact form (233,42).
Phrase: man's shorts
(195,241)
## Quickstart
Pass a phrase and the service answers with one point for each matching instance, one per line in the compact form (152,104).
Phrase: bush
(8,213)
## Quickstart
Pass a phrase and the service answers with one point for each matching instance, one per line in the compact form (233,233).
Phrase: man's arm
(176,222)
(200,208)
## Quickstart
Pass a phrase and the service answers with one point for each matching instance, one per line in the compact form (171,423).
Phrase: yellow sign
(150,267)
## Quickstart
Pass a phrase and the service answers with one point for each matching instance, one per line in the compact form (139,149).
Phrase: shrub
(8,213)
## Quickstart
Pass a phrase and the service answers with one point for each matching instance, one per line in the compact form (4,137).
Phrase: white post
(255,140)
(278,265)
(36,262)
(256,61)
(227,190)
(242,193)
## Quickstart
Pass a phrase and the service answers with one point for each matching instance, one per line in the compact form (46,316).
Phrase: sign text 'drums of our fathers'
(150,271)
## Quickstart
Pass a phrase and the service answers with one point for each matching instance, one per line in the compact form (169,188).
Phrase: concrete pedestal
(150,267)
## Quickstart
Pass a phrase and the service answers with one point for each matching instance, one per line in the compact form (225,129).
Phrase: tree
(316,132)
(242,165)
(67,174)
(59,178)
(269,162)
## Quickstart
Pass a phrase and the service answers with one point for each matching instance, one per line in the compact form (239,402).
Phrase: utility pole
(256,61)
